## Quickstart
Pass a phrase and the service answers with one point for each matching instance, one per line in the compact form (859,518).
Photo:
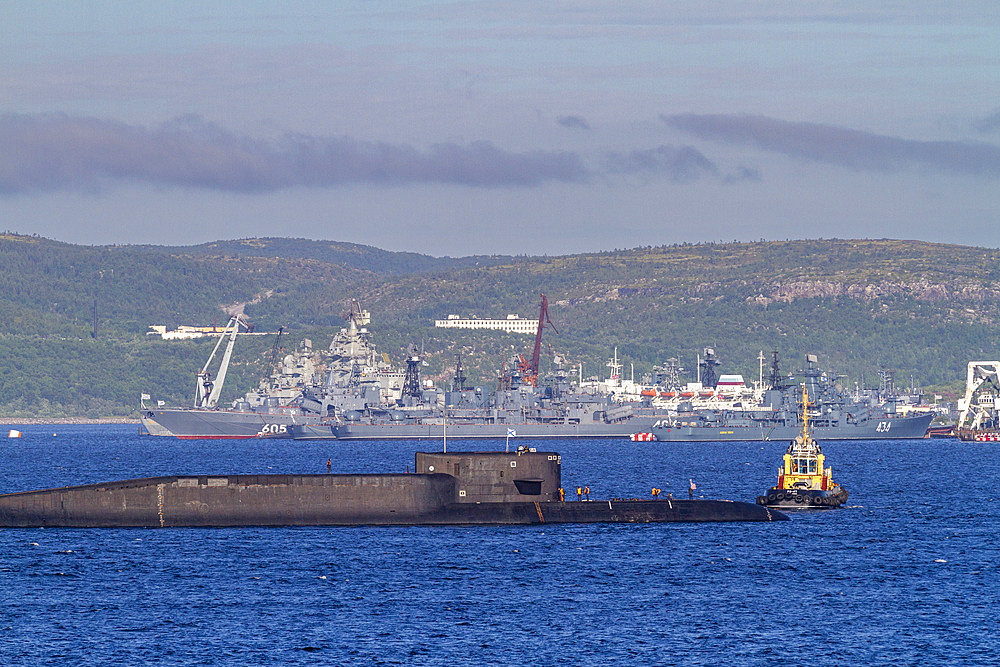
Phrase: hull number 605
(274,429)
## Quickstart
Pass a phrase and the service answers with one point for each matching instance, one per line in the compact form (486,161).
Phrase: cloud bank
(986,124)
(52,152)
(853,149)
(681,164)
(58,152)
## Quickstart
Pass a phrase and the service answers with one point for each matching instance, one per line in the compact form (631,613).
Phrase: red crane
(529,372)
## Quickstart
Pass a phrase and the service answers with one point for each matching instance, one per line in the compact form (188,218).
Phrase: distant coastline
(9,421)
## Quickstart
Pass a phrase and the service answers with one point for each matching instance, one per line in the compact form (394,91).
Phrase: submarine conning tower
(497,477)
(442,481)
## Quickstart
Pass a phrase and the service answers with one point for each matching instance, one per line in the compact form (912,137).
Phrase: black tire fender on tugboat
(819,500)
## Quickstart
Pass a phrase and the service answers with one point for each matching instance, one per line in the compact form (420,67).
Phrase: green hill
(922,310)
(350,255)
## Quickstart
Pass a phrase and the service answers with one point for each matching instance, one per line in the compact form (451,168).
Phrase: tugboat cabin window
(804,466)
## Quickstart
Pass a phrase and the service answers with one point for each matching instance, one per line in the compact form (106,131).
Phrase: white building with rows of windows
(513,323)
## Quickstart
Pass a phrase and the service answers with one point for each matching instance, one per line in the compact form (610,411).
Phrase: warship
(551,407)
(358,394)
(463,488)
(775,416)
(296,392)
(363,396)
(524,405)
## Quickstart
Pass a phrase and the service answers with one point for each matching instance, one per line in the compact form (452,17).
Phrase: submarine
(462,488)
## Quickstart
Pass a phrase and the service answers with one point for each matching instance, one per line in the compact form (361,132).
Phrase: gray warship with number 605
(296,392)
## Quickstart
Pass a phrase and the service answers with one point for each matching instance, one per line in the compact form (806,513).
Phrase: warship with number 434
(774,415)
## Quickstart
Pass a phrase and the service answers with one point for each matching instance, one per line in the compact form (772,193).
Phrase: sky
(513,127)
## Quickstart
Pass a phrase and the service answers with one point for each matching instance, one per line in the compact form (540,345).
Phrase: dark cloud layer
(842,146)
(57,152)
(986,124)
(681,164)
(575,122)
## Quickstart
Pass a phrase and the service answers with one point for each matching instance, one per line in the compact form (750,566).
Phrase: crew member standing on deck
(329,466)
(691,488)
(579,493)
(586,492)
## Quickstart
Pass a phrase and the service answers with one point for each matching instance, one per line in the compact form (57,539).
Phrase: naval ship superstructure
(305,387)
(552,407)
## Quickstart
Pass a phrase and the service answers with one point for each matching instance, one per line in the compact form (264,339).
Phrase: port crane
(979,405)
(529,371)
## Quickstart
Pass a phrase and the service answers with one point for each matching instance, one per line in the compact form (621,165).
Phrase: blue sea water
(906,574)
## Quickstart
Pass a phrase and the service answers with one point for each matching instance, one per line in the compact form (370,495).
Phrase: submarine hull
(471,488)
(329,500)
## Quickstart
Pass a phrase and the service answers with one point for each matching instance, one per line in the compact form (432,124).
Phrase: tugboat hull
(803,499)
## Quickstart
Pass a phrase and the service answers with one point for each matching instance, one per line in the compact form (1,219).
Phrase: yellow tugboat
(803,482)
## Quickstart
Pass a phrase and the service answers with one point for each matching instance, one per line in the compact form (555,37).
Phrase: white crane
(984,409)
(208,390)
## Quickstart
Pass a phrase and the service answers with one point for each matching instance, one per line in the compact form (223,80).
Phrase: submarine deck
(331,500)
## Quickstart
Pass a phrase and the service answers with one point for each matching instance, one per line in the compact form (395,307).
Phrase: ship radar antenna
(774,379)
(271,367)
(707,366)
(458,382)
(411,381)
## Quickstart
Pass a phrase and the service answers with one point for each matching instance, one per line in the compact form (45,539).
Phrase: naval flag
(511,433)
(161,403)
(144,397)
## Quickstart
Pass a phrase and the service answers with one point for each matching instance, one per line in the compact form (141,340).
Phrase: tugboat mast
(805,414)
